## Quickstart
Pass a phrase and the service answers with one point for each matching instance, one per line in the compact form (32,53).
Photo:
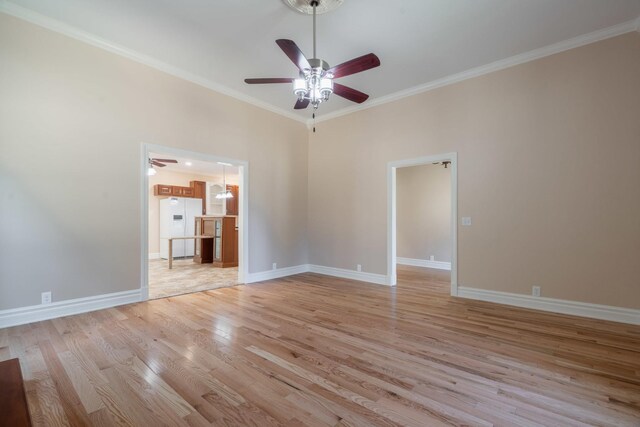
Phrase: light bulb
(151,171)
(229,195)
(326,88)
(299,87)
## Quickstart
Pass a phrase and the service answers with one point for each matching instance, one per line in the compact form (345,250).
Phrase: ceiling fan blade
(160,165)
(356,65)
(294,53)
(268,80)
(349,93)
(301,105)
(165,160)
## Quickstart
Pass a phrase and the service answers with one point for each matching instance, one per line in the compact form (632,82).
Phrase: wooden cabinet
(232,203)
(203,252)
(196,190)
(180,191)
(222,249)
(162,190)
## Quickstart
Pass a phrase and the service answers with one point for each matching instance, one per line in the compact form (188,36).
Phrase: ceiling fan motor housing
(306,6)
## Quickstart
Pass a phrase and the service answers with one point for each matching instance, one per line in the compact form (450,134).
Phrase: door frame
(243,208)
(391,213)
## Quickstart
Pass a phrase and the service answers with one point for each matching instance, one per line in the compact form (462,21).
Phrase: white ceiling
(417,41)
(196,167)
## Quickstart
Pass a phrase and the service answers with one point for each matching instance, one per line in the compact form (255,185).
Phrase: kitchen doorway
(194,222)
(449,254)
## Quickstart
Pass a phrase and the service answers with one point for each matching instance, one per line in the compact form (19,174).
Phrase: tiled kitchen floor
(187,277)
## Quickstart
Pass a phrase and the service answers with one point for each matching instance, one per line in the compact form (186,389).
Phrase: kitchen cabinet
(222,249)
(203,251)
(162,190)
(232,203)
(173,190)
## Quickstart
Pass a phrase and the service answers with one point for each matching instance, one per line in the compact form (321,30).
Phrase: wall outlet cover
(46,298)
(359,267)
(535,291)
(432,258)
(274,266)
(466,220)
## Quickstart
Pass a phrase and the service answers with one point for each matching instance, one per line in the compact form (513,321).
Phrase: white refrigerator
(177,219)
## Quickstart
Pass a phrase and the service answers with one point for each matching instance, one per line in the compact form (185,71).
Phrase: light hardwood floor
(315,350)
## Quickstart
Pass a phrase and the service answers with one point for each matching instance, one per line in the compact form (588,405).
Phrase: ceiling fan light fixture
(151,171)
(315,82)
(300,88)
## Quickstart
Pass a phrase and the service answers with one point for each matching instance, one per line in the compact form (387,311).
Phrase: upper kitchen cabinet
(162,190)
(232,203)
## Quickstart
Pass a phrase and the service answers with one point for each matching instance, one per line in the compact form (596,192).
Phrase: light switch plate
(466,220)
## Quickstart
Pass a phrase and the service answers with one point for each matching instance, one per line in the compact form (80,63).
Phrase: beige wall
(72,120)
(548,170)
(549,155)
(423,212)
(164,176)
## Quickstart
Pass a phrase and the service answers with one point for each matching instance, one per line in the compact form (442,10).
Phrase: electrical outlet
(466,220)
(535,291)
(359,267)
(46,297)
(432,258)
(274,266)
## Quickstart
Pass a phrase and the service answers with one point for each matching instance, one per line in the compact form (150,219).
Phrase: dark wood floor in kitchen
(316,350)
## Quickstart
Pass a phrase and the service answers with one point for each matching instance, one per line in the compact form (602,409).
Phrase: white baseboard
(576,308)
(36,313)
(155,255)
(440,265)
(379,279)
(277,273)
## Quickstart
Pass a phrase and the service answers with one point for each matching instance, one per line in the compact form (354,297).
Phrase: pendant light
(224,194)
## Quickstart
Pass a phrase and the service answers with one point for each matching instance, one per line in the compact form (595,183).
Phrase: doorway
(194,221)
(444,246)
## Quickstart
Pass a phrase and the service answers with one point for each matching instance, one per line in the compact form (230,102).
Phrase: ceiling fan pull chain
(314,122)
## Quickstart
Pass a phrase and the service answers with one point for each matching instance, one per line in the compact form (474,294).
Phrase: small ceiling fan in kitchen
(159,163)
(315,83)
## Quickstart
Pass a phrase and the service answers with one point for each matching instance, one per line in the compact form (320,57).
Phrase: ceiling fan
(315,83)
(159,163)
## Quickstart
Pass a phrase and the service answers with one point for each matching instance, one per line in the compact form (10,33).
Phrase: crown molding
(75,33)
(585,39)
(83,36)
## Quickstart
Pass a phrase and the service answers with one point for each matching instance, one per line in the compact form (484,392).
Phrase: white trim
(576,308)
(155,255)
(277,273)
(243,206)
(440,265)
(532,55)
(36,313)
(379,279)
(391,213)
(83,36)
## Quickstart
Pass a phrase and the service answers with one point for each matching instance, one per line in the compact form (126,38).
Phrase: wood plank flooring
(315,350)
